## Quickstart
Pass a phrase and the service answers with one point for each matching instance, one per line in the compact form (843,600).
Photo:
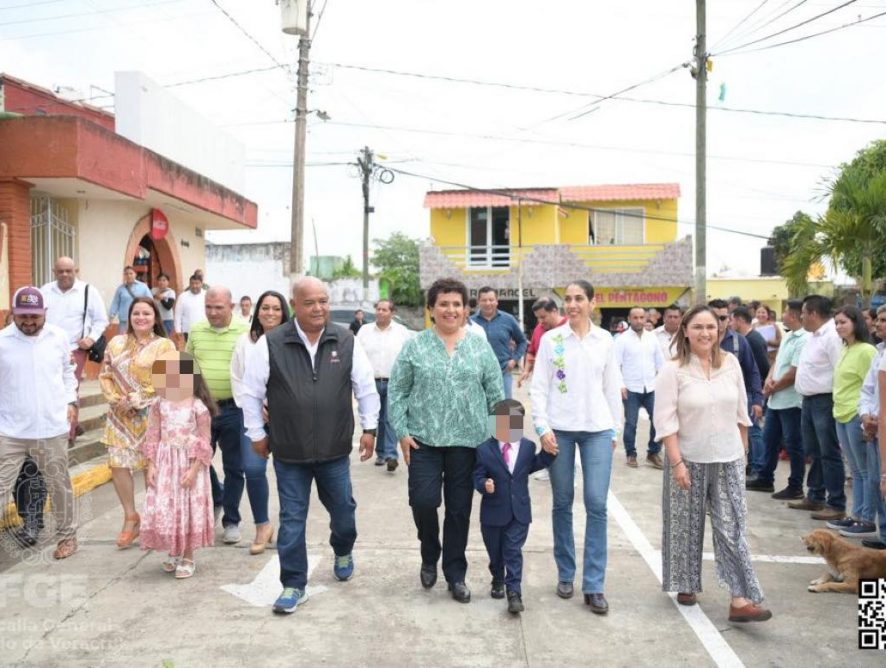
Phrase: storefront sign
(159,225)
(510,293)
(627,297)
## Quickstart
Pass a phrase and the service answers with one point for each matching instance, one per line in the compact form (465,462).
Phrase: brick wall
(15,211)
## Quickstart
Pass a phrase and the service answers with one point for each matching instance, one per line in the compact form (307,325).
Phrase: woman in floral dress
(126,384)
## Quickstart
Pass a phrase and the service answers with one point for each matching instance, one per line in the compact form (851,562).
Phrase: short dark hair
(444,285)
(732,300)
(472,303)
(744,313)
(818,304)
(545,304)
(505,406)
(485,289)
(389,301)
(674,307)
(718,303)
(755,304)
(128,267)
(635,307)
(163,274)
(246,298)
(585,286)
(194,277)
(795,305)
(359,310)
(859,326)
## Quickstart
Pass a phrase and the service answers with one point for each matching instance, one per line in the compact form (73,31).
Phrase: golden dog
(847,563)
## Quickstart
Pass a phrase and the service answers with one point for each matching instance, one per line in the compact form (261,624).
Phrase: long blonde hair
(684,353)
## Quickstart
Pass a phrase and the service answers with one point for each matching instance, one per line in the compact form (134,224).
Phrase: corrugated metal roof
(627,191)
(459,199)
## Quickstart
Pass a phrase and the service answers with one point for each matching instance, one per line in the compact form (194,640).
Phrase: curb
(82,482)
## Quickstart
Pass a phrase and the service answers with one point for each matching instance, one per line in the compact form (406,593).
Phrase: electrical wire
(92,13)
(319,19)
(789,29)
(28,5)
(761,24)
(249,36)
(738,25)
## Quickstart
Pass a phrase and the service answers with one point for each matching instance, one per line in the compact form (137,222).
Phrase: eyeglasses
(722,318)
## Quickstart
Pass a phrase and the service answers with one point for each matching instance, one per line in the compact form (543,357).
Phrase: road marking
(710,637)
(265,588)
(774,559)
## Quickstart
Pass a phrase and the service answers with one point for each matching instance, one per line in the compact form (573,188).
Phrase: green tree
(781,239)
(397,260)
(347,270)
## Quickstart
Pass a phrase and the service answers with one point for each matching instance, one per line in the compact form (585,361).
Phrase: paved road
(107,607)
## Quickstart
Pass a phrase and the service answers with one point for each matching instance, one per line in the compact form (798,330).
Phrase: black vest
(311,411)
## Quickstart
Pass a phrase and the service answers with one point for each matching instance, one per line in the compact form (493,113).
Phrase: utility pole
(296,260)
(366,165)
(701,78)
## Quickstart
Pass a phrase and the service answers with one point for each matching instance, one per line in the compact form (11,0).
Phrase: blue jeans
(227,434)
(386,439)
(507,380)
(820,443)
(255,471)
(632,413)
(874,482)
(294,489)
(756,447)
(169,326)
(783,424)
(852,441)
(595,450)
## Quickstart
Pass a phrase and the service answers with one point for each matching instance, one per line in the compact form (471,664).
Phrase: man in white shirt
(190,307)
(318,369)
(814,381)
(639,357)
(38,393)
(869,411)
(383,340)
(673,314)
(79,310)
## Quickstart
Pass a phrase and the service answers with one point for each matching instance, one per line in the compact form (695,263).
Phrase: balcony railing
(604,259)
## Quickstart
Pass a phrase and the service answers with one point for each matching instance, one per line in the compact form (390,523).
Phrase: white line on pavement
(710,637)
(775,559)
(264,589)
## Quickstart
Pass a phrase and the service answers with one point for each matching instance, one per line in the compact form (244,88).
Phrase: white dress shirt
(869,400)
(639,358)
(189,308)
(588,396)
(383,345)
(65,310)
(239,361)
(665,341)
(512,455)
(819,357)
(258,370)
(36,383)
(473,328)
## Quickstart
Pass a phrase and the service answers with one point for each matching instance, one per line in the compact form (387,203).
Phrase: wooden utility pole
(296,260)
(366,165)
(701,78)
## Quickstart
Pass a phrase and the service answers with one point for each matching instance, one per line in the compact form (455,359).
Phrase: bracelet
(676,464)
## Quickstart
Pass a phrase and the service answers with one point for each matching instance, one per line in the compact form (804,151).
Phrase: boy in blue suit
(501,475)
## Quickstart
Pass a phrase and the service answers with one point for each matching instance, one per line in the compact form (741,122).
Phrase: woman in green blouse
(442,388)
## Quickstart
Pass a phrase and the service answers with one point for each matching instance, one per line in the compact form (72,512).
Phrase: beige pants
(51,457)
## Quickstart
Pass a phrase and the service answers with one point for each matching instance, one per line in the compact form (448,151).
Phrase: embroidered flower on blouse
(559,362)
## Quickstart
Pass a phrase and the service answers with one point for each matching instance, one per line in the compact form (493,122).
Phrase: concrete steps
(93,409)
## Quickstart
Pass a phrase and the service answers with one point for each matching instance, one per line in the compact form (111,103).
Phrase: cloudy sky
(762,167)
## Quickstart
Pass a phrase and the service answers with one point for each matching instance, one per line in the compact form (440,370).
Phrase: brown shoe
(749,613)
(686,599)
(65,548)
(806,504)
(655,461)
(829,514)
(632,461)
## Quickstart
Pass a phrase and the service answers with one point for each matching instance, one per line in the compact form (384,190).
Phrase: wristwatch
(372,432)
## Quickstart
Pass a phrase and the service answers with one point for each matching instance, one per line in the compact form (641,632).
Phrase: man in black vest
(308,370)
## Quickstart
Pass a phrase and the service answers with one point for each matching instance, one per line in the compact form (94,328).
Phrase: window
(618,227)
(489,236)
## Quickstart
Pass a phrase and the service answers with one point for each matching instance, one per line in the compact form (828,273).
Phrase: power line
(805,37)
(742,21)
(92,13)
(520,195)
(249,36)
(319,19)
(28,5)
(762,23)
(789,29)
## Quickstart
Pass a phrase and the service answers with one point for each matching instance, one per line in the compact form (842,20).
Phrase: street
(106,607)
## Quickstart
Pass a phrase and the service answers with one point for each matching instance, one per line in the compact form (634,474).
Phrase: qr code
(872,614)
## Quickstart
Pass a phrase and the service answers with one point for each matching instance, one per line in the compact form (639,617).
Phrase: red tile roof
(459,199)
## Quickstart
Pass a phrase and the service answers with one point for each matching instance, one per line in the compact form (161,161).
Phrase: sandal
(259,548)
(170,563)
(185,569)
(65,548)
(126,538)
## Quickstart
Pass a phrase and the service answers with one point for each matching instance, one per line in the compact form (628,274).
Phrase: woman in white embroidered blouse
(702,418)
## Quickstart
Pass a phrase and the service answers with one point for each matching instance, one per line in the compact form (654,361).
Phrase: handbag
(97,352)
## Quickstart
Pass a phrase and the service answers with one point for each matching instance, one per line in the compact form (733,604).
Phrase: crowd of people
(726,386)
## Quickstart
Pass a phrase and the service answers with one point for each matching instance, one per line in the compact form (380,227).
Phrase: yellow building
(532,242)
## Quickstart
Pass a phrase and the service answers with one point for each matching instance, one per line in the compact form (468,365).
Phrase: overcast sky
(761,168)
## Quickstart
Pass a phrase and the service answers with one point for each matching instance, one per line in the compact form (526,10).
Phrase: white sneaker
(232,534)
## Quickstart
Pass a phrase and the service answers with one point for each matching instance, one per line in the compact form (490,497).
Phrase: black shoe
(564,589)
(460,592)
(757,485)
(873,543)
(515,603)
(788,493)
(428,575)
(598,603)
(27,536)
(392,465)
(498,589)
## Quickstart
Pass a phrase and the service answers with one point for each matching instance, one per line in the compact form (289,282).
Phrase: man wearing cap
(38,393)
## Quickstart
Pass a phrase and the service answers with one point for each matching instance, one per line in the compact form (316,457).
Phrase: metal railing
(51,237)
(604,259)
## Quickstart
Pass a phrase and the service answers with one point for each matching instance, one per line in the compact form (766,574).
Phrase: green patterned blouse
(441,400)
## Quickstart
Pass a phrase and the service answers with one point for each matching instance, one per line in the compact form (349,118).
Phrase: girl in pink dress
(178,517)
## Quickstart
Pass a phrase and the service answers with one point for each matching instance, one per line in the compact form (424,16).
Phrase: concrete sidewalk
(107,607)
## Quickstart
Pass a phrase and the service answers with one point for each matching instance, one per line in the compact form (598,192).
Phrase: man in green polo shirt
(212,342)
